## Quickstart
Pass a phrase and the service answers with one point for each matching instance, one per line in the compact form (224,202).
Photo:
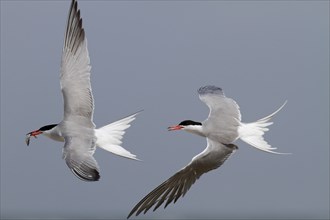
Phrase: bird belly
(225,137)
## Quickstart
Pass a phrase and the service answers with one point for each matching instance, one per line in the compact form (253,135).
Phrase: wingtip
(94,175)
(129,215)
(138,112)
(210,89)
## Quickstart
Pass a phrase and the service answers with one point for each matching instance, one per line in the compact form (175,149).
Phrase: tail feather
(252,133)
(109,137)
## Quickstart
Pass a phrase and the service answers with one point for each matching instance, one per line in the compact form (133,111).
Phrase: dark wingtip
(96,176)
(210,89)
(93,176)
(130,214)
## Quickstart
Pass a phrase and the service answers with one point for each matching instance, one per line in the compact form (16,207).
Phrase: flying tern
(222,127)
(77,130)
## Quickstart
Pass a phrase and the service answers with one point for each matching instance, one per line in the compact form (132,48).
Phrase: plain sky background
(154,55)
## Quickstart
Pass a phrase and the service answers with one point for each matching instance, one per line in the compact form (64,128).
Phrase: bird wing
(78,154)
(75,69)
(176,186)
(224,117)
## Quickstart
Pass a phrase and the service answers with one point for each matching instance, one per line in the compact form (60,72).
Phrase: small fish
(27,139)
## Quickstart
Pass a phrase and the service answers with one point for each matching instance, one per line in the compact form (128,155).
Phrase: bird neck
(54,134)
(195,129)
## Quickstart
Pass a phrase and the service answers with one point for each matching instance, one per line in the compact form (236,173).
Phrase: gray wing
(75,68)
(77,126)
(176,186)
(224,117)
(78,154)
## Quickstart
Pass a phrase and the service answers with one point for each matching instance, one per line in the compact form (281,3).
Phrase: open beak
(175,127)
(31,134)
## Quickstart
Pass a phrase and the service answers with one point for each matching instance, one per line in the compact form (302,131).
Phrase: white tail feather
(252,133)
(109,137)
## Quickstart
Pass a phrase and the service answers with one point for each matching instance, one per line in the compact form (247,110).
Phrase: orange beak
(175,127)
(35,133)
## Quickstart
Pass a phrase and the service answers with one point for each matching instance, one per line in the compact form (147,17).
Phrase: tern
(77,129)
(222,127)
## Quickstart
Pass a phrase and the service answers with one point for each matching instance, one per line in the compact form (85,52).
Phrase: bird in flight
(77,130)
(222,127)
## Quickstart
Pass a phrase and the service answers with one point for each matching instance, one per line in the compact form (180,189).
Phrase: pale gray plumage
(224,113)
(224,116)
(222,127)
(75,69)
(177,186)
(77,129)
(77,126)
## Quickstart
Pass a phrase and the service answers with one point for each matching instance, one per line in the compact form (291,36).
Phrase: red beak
(175,127)
(35,133)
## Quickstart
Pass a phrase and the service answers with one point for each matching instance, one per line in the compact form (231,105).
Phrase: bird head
(187,125)
(35,133)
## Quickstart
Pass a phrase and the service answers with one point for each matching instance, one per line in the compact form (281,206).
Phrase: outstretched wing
(224,117)
(75,68)
(176,186)
(78,154)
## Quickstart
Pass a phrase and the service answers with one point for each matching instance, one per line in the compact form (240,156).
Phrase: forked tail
(252,133)
(109,137)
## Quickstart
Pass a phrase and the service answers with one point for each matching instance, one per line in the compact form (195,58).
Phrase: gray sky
(154,56)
